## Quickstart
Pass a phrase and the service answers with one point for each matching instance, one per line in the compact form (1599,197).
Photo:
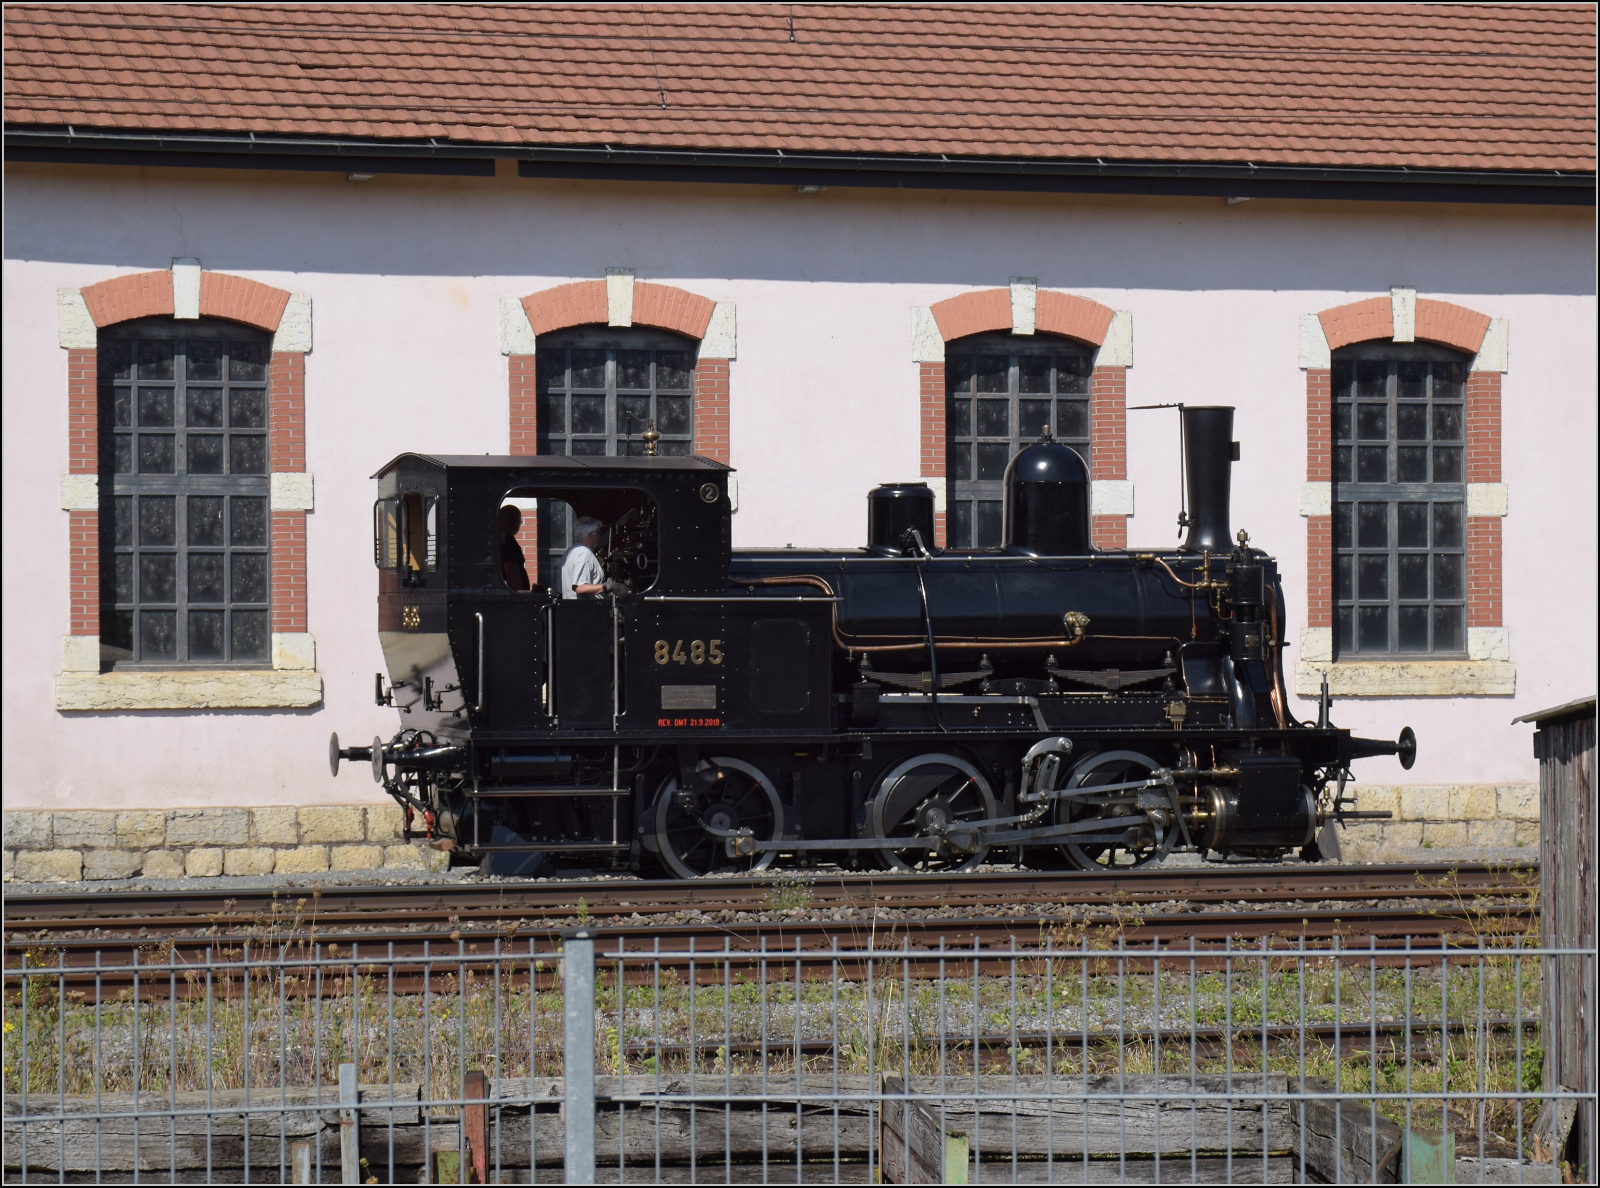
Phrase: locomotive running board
(968,699)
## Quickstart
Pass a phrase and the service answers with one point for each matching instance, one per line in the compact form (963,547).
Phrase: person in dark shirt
(513,565)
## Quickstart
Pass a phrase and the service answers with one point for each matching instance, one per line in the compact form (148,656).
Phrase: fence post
(349,1127)
(577,1009)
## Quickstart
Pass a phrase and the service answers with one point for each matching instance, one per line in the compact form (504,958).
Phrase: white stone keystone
(1111,497)
(1487,499)
(721,340)
(1024,303)
(80,653)
(293,650)
(80,492)
(1495,353)
(186,288)
(1314,353)
(1117,349)
(516,335)
(1316,645)
(1403,313)
(75,329)
(294,328)
(292,491)
(1488,643)
(1316,499)
(927,342)
(619,296)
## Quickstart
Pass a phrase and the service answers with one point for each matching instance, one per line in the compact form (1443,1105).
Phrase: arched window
(184,515)
(1002,392)
(599,390)
(1399,499)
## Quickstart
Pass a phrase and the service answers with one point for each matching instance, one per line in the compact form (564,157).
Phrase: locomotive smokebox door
(582,637)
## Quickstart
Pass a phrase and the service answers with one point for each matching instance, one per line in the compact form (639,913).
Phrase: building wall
(406,277)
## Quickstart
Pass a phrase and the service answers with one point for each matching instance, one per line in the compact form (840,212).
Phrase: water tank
(1047,502)
(893,510)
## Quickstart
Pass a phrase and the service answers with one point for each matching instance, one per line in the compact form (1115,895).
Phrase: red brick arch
(1437,321)
(1054,313)
(583,303)
(149,294)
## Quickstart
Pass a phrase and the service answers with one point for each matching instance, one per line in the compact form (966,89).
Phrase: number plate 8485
(691,651)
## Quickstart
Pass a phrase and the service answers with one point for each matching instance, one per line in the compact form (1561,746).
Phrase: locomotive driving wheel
(1136,845)
(928,799)
(728,795)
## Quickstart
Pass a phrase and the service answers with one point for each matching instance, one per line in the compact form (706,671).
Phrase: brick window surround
(1064,314)
(1404,317)
(189,292)
(620,301)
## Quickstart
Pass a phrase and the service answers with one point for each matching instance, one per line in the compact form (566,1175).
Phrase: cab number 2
(700,651)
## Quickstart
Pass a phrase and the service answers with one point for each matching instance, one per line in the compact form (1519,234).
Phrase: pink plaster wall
(405,276)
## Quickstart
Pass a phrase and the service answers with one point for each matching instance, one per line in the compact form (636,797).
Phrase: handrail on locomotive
(896,705)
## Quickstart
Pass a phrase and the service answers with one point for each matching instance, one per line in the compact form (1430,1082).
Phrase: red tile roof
(1445,86)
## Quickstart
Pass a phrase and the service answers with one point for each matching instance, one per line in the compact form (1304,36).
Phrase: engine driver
(513,565)
(580,568)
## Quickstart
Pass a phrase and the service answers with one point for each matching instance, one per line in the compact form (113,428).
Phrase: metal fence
(1078,1059)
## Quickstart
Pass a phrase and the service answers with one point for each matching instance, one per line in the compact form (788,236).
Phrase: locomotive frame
(894,705)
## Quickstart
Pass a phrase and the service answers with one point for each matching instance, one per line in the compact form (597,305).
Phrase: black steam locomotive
(896,705)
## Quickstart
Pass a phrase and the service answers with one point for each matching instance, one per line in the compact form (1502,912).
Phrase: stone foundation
(1473,821)
(42,847)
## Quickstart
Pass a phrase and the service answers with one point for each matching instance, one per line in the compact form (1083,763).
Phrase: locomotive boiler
(897,705)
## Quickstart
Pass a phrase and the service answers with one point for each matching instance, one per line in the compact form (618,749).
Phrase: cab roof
(556,463)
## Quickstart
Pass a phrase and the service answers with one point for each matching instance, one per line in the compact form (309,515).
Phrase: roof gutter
(775,167)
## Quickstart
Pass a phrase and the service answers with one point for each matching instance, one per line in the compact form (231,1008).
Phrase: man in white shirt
(580,568)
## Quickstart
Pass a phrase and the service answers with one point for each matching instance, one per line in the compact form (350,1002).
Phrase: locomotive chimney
(1208,456)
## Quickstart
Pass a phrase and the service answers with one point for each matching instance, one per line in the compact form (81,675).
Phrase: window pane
(205,579)
(1344,632)
(988,524)
(249,526)
(1372,422)
(249,582)
(122,408)
(157,520)
(552,368)
(158,577)
(1413,628)
(1374,576)
(247,361)
(1412,464)
(994,418)
(1371,378)
(633,370)
(116,359)
(1341,422)
(961,525)
(960,372)
(1447,575)
(588,369)
(1033,418)
(1447,464)
(247,408)
(1447,525)
(1341,526)
(122,520)
(675,449)
(992,459)
(205,519)
(1342,459)
(247,453)
(1413,575)
(1411,381)
(203,360)
(250,635)
(205,453)
(1072,419)
(960,414)
(123,577)
(156,453)
(1344,580)
(672,414)
(1372,464)
(994,372)
(1447,380)
(1413,525)
(553,414)
(155,408)
(1343,375)
(122,454)
(1411,422)
(633,414)
(203,408)
(1447,629)
(158,635)
(1374,622)
(155,360)
(960,457)
(116,631)
(1072,375)
(205,635)
(1033,373)
(587,448)
(588,414)
(1447,422)
(1373,532)
(672,371)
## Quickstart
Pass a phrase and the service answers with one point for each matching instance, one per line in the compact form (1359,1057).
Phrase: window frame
(971,491)
(1352,454)
(128,561)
